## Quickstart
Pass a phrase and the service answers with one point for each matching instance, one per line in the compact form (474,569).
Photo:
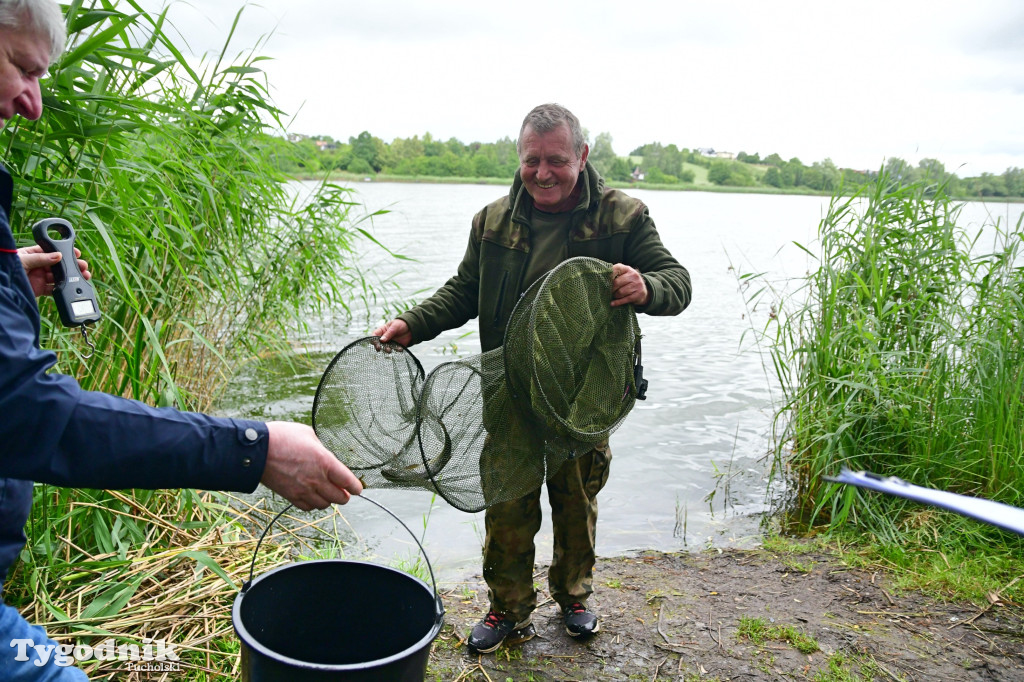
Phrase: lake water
(690,463)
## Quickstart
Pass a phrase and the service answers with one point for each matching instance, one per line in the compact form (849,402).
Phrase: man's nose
(543,170)
(29,104)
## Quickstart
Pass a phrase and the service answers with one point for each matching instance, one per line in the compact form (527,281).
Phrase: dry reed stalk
(178,599)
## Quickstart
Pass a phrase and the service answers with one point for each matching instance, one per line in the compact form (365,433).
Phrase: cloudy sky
(857,82)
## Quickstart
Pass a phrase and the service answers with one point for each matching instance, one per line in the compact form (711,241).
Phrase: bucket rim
(250,641)
(437,595)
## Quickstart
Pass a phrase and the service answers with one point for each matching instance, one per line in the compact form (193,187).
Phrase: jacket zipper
(501,299)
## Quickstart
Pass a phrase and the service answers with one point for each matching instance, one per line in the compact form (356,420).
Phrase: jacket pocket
(600,466)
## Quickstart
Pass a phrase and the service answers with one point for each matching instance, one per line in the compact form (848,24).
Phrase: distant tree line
(652,163)
(413,156)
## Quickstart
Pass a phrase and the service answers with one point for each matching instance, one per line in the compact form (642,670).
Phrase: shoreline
(792,611)
(689,187)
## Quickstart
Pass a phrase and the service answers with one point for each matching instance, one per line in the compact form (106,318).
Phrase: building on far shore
(710,153)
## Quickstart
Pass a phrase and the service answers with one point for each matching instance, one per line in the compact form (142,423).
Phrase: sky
(856,82)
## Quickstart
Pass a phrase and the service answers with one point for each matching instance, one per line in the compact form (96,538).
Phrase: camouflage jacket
(606,224)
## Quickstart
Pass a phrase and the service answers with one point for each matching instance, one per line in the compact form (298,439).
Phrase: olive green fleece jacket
(606,224)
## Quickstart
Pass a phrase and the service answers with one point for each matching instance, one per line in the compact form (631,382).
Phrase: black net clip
(638,375)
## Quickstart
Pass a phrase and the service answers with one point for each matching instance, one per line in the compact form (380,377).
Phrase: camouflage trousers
(511,526)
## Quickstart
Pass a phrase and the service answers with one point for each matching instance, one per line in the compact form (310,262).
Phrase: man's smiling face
(550,168)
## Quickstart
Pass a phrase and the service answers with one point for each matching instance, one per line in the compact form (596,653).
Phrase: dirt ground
(741,615)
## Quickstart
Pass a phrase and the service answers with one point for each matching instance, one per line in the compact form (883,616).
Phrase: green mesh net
(491,427)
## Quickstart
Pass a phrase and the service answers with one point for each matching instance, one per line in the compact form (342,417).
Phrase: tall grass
(201,252)
(902,353)
(202,259)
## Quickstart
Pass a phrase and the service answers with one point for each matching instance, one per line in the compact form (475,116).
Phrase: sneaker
(579,621)
(495,628)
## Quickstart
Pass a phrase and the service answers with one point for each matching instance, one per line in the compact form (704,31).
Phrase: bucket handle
(437,597)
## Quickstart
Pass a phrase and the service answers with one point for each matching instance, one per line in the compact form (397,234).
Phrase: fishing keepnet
(491,427)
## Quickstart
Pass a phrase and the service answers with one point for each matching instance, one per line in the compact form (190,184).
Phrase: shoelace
(576,608)
(492,619)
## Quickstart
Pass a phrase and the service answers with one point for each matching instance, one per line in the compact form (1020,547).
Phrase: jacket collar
(522,205)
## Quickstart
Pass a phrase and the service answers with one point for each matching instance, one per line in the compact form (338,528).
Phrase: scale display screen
(85,307)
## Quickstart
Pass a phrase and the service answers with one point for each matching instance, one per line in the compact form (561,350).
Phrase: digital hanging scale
(73,294)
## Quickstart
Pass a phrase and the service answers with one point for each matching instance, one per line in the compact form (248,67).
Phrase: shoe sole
(597,628)
(477,650)
(523,633)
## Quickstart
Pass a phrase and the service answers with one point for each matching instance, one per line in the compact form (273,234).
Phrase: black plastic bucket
(336,620)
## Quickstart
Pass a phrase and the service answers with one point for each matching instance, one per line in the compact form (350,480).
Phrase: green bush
(656,176)
(360,165)
(719,173)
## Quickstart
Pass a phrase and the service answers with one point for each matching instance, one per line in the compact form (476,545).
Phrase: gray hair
(547,117)
(42,17)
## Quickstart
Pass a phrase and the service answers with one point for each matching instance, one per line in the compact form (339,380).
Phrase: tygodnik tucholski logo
(153,655)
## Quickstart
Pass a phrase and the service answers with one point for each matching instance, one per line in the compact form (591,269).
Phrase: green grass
(700,173)
(925,559)
(759,631)
(843,668)
(928,559)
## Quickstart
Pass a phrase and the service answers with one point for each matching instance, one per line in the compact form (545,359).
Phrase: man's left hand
(628,286)
(37,264)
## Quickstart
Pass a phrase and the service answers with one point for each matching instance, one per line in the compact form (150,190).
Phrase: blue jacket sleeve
(52,431)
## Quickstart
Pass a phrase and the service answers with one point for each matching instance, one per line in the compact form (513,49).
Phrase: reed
(902,353)
(166,565)
(203,255)
(203,258)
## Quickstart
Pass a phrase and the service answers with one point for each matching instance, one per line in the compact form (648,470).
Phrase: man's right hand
(396,330)
(303,471)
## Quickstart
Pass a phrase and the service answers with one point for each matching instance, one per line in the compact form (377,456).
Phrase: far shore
(345,176)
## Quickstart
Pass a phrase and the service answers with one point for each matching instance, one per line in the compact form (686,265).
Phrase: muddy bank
(743,615)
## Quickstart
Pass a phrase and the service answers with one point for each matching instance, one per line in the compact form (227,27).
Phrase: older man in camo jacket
(558,208)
